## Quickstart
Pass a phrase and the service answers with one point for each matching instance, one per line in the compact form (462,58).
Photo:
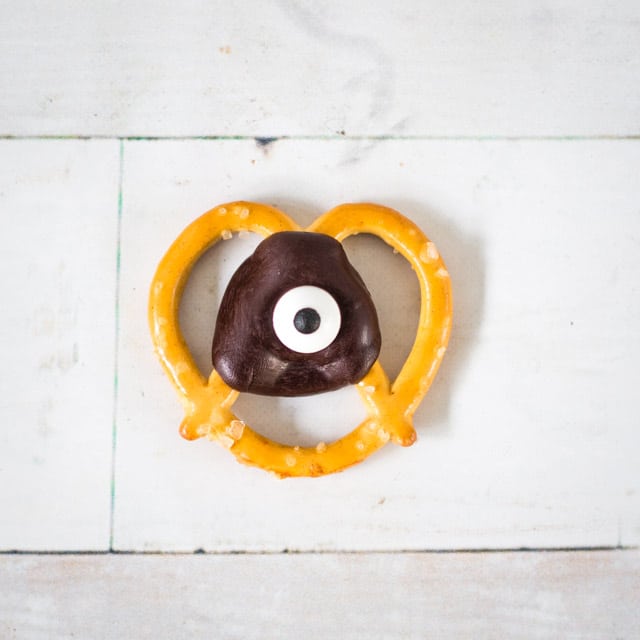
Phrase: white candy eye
(306,319)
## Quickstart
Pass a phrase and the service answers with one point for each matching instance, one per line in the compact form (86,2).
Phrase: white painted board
(194,68)
(59,212)
(581,595)
(529,436)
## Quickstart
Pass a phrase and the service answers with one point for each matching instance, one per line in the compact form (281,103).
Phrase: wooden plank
(196,68)
(586,595)
(59,202)
(529,435)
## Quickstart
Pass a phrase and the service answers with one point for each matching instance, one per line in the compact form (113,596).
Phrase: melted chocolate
(246,351)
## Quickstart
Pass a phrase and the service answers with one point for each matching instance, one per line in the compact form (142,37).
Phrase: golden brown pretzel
(390,406)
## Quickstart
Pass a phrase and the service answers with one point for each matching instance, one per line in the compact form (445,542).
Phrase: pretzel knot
(390,406)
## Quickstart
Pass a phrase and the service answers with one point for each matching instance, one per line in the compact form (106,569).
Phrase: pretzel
(390,406)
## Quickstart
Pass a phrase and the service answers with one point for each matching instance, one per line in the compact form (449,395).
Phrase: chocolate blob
(247,352)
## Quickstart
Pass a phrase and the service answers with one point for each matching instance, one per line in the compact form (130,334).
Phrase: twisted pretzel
(390,406)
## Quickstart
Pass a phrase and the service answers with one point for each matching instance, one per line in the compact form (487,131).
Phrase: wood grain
(59,203)
(527,438)
(585,595)
(283,67)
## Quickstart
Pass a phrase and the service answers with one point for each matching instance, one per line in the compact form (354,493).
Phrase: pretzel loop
(390,406)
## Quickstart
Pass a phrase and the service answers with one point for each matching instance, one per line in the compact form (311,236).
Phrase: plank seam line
(116,358)
(380,137)
(285,552)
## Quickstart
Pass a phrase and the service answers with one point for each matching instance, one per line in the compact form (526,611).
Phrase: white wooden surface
(529,437)
(149,67)
(508,131)
(59,204)
(585,596)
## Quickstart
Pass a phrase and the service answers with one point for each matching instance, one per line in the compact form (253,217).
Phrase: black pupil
(306,320)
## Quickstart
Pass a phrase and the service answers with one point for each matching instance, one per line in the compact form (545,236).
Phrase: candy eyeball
(306,319)
(296,319)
